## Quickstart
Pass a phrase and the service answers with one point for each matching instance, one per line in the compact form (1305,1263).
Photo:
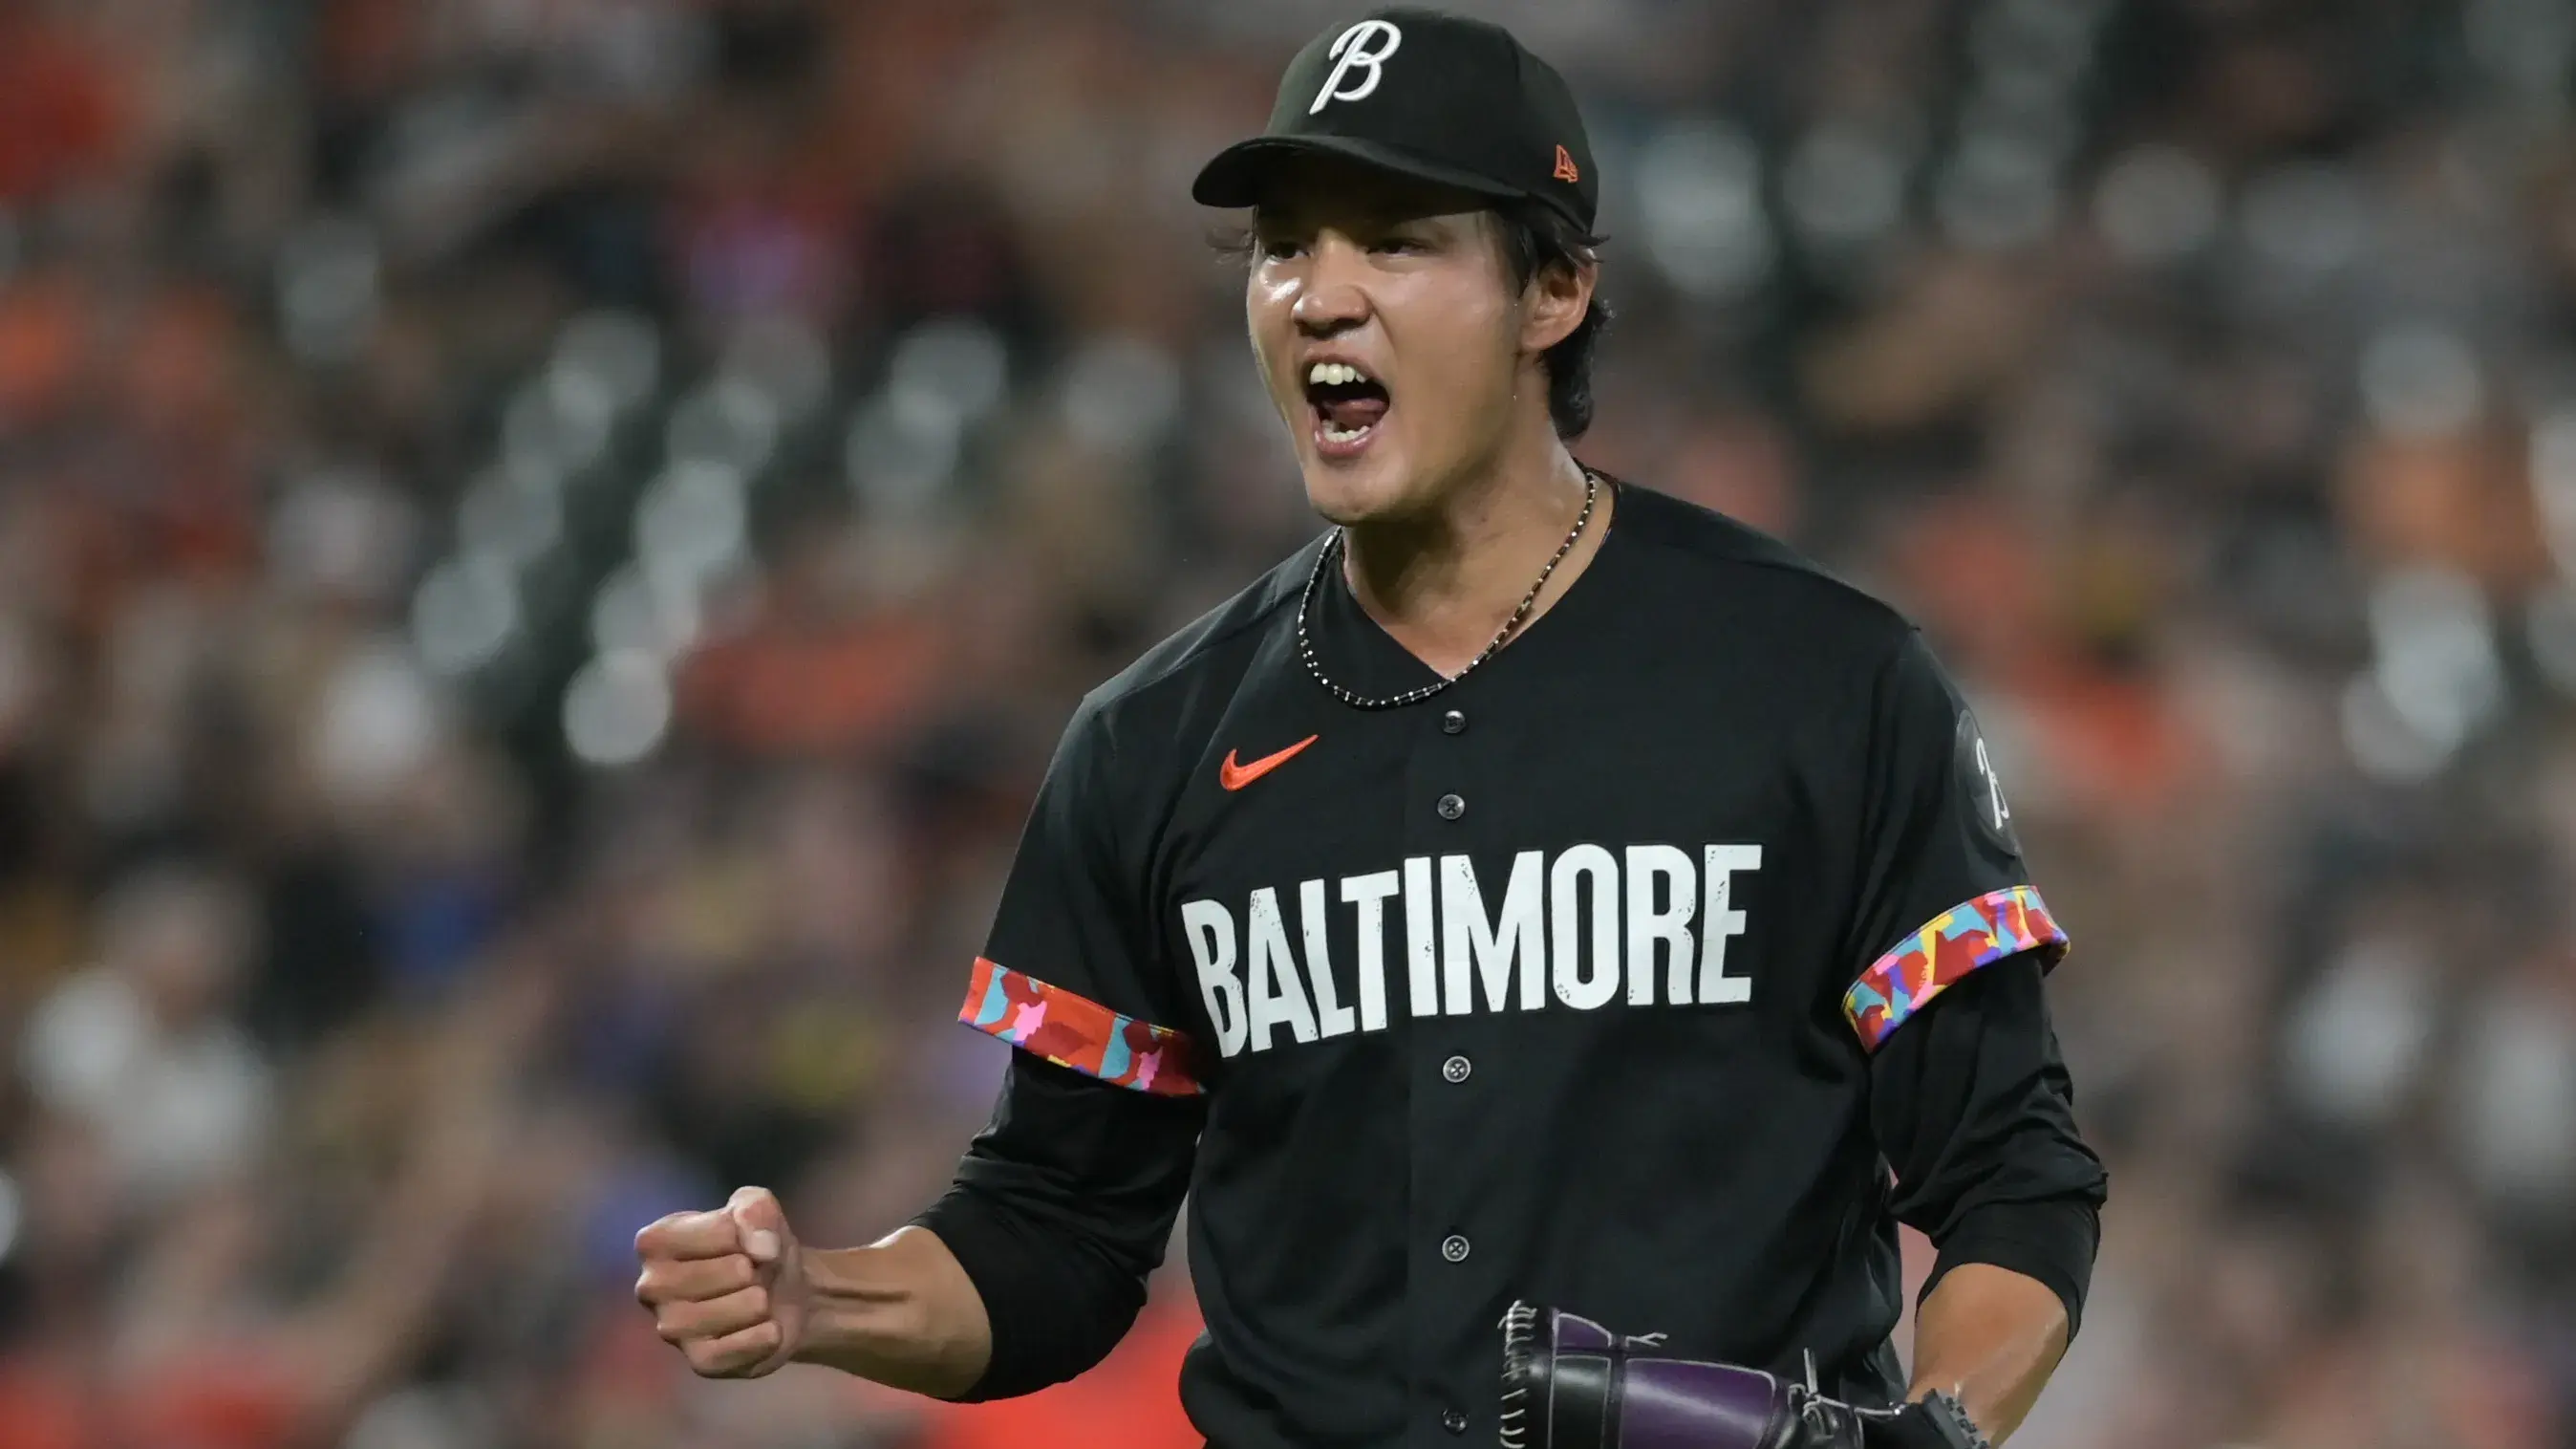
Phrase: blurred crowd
(544,545)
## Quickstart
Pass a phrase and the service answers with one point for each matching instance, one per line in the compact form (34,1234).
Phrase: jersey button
(1454,722)
(1451,807)
(1455,1070)
(1454,1420)
(1454,1248)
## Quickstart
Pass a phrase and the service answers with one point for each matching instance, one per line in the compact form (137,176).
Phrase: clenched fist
(726,1287)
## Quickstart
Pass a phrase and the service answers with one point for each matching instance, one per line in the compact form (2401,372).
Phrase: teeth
(1329,373)
(1336,435)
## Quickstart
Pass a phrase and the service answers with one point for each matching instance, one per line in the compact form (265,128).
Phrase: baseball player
(1536,888)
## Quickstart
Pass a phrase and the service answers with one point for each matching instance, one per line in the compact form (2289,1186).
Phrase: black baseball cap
(1424,94)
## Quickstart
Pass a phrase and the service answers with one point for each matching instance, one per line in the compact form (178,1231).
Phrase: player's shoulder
(1715,568)
(1219,645)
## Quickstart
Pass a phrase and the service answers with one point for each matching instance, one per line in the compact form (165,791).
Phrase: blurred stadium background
(544,543)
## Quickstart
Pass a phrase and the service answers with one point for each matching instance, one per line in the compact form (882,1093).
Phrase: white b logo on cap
(1364,46)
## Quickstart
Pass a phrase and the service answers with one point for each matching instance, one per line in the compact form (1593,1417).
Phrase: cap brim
(1237,175)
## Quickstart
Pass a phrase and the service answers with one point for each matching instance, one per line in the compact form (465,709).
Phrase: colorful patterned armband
(1971,934)
(1072,1031)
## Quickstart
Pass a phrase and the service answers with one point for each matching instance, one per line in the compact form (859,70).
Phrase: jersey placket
(1445,1275)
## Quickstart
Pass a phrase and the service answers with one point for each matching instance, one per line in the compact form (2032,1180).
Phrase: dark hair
(1535,237)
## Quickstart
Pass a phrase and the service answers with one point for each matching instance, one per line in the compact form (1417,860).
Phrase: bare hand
(726,1287)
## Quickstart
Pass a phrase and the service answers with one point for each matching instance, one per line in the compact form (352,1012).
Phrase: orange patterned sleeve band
(1975,933)
(1073,1031)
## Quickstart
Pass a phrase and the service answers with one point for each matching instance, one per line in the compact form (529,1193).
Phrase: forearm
(1990,1337)
(1059,1211)
(1974,1108)
(900,1311)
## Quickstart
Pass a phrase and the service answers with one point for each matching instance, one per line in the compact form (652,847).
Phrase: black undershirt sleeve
(1974,1110)
(1062,1206)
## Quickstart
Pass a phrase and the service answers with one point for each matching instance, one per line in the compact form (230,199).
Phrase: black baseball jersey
(1655,970)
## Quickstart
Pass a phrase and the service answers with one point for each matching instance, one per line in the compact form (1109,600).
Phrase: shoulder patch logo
(1980,790)
(1565,167)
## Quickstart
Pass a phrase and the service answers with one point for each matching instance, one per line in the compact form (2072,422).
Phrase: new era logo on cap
(1438,97)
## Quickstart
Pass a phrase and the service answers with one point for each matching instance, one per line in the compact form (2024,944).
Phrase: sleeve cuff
(1973,933)
(1046,1327)
(975,1236)
(1073,1031)
(2052,1241)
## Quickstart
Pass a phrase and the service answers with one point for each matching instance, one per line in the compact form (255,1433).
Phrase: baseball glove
(1569,1383)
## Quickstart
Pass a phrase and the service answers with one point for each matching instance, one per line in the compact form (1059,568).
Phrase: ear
(1555,302)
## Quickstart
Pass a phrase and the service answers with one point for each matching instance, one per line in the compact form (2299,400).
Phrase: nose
(1332,300)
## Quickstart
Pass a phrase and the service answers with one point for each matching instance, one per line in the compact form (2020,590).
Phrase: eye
(1279,248)
(1398,246)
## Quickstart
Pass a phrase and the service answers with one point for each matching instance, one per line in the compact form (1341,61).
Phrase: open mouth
(1348,404)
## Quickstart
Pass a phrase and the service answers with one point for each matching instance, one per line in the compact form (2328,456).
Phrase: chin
(1340,497)
(1362,490)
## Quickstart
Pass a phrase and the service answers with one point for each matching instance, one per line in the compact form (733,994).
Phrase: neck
(1443,581)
